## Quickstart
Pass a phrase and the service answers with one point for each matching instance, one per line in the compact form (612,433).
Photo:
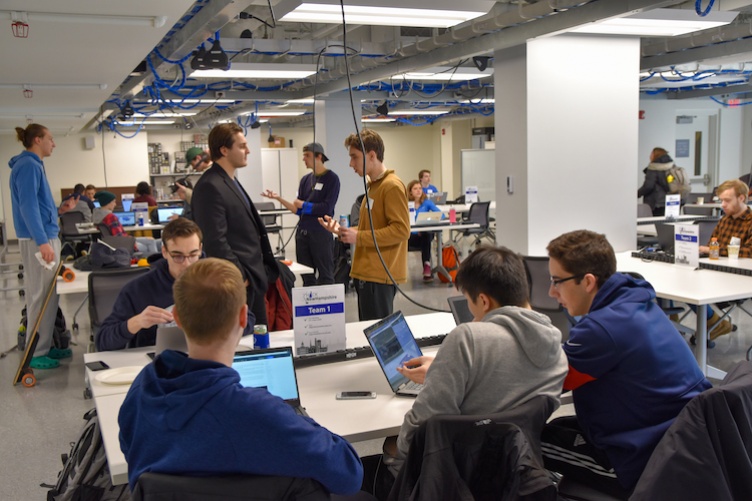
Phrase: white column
(567,133)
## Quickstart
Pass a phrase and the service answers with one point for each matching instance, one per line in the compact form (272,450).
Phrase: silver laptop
(393,344)
(429,219)
(460,311)
(273,370)
(439,198)
(170,337)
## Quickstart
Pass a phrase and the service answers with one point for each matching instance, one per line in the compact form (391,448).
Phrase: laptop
(460,311)
(126,218)
(429,218)
(439,198)
(170,337)
(165,213)
(666,238)
(393,344)
(127,202)
(273,370)
(96,203)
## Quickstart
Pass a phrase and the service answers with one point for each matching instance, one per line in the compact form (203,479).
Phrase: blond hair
(733,184)
(208,297)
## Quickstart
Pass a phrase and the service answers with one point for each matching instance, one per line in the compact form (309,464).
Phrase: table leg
(701,334)
(439,258)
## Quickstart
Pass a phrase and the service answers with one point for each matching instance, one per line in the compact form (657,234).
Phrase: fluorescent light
(301,101)
(148,21)
(479,101)
(440,14)
(658,23)
(445,73)
(418,112)
(365,119)
(159,114)
(275,113)
(136,123)
(34,86)
(259,70)
(183,101)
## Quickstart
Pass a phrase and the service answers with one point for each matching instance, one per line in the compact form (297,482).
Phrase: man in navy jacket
(141,305)
(630,371)
(189,415)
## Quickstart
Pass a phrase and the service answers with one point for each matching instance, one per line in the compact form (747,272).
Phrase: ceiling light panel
(659,23)
(259,71)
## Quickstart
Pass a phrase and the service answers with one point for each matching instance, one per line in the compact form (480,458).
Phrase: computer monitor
(127,218)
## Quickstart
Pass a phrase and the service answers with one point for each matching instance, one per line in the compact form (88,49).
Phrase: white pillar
(567,133)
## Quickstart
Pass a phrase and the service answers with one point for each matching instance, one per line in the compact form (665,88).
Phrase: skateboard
(25,374)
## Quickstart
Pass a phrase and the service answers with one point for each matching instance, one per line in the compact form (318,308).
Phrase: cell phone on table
(355,395)
(97,366)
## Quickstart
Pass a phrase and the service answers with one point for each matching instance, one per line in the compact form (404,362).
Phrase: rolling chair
(160,487)
(539,281)
(478,213)
(69,234)
(271,225)
(644,210)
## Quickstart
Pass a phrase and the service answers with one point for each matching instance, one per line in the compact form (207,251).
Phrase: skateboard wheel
(28,379)
(68,275)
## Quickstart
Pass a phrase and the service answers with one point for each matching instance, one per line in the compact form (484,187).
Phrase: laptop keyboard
(412,386)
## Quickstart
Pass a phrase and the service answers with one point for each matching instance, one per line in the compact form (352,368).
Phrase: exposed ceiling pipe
(711,36)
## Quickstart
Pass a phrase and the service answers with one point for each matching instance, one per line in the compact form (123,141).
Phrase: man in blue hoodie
(143,303)
(35,221)
(630,371)
(189,415)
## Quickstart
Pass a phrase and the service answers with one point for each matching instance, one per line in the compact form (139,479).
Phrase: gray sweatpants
(37,279)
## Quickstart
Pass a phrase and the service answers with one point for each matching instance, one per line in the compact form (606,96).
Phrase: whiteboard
(479,169)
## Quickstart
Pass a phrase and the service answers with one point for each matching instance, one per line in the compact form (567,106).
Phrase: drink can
(260,337)
(344,221)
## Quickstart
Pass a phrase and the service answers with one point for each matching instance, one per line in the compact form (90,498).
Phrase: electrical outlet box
(219,94)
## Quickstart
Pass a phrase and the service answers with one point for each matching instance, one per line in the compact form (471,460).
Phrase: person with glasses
(143,303)
(630,371)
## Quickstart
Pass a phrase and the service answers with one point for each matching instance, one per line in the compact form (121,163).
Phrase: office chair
(160,487)
(271,225)
(539,281)
(494,456)
(478,213)
(69,234)
(692,197)
(700,211)
(644,210)
(711,438)
(104,287)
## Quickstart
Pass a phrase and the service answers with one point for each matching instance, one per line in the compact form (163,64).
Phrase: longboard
(25,374)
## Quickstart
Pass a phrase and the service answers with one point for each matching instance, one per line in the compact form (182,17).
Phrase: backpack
(85,474)
(678,181)
(61,336)
(451,259)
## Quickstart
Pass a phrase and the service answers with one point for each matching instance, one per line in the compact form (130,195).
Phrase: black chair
(699,211)
(478,214)
(271,224)
(644,210)
(161,487)
(104,287)
(692,197)
(539,282)
(468,457)
(69,235)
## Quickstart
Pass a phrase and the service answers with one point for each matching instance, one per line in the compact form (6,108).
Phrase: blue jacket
(317,203)
(187,416)
(430,189)
(34,210)
(631,373)
(427,206)
(153,288)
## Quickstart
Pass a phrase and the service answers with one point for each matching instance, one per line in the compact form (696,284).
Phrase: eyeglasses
(180,258)
(556,281)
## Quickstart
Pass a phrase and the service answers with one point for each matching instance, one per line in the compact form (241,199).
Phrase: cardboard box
(279,142)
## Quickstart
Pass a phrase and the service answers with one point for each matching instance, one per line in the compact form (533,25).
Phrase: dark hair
(371,142)
(79,188)
(424,171)
(222,135)
(581,252)
(91,187)
(497,272)
(180,228)
(27,135)
(143,188)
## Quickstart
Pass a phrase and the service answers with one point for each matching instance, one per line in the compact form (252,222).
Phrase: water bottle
(260,337)
(452,215)
(714,248)
(140,218)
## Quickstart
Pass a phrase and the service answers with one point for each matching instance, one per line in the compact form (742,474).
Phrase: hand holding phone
(355,395)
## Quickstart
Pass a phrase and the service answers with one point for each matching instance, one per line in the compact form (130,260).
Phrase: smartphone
(354,395)
(97,366)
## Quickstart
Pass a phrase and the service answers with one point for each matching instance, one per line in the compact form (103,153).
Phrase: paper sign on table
(319,318)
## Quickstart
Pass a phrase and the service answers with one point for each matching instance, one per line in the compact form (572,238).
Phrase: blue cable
(698,8)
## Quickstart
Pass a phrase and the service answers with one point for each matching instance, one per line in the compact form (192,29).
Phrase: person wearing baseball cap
(317,195)
(197,159)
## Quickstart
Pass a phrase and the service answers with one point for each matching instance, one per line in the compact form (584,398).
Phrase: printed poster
(319,319)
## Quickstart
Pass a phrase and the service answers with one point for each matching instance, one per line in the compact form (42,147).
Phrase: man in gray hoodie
(506,356)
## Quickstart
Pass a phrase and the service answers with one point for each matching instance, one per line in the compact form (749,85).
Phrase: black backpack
(85,475)
(61,336)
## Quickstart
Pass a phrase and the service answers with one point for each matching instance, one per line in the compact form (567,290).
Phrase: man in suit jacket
(228,219)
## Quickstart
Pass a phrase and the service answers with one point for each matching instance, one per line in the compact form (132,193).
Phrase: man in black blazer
(228,219)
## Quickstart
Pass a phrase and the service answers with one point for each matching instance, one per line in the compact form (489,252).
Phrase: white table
(692,286)
(145,227)
(439,230)
(275,212)
(664,219)
(462,207)
(355,420)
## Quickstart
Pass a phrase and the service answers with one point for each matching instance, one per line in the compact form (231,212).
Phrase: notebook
(165,213)
(273,370)
(460,311)
(429,218)
(126,218)
(393,344)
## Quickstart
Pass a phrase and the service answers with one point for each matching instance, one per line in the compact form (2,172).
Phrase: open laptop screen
(271,369)
(393,344)
(460,310)
(126,218)
(165,213)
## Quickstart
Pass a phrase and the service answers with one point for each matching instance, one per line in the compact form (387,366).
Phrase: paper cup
(700,200)
(733,251)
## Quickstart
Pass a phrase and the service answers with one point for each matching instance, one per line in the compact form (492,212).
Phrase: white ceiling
(82,53)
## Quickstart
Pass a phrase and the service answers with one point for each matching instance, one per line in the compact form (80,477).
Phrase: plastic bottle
(452,215)
(714,248)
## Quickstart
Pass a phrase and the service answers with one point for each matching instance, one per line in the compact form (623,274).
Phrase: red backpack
(451,259)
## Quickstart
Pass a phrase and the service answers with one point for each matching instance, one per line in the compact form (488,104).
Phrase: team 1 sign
(319,319)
